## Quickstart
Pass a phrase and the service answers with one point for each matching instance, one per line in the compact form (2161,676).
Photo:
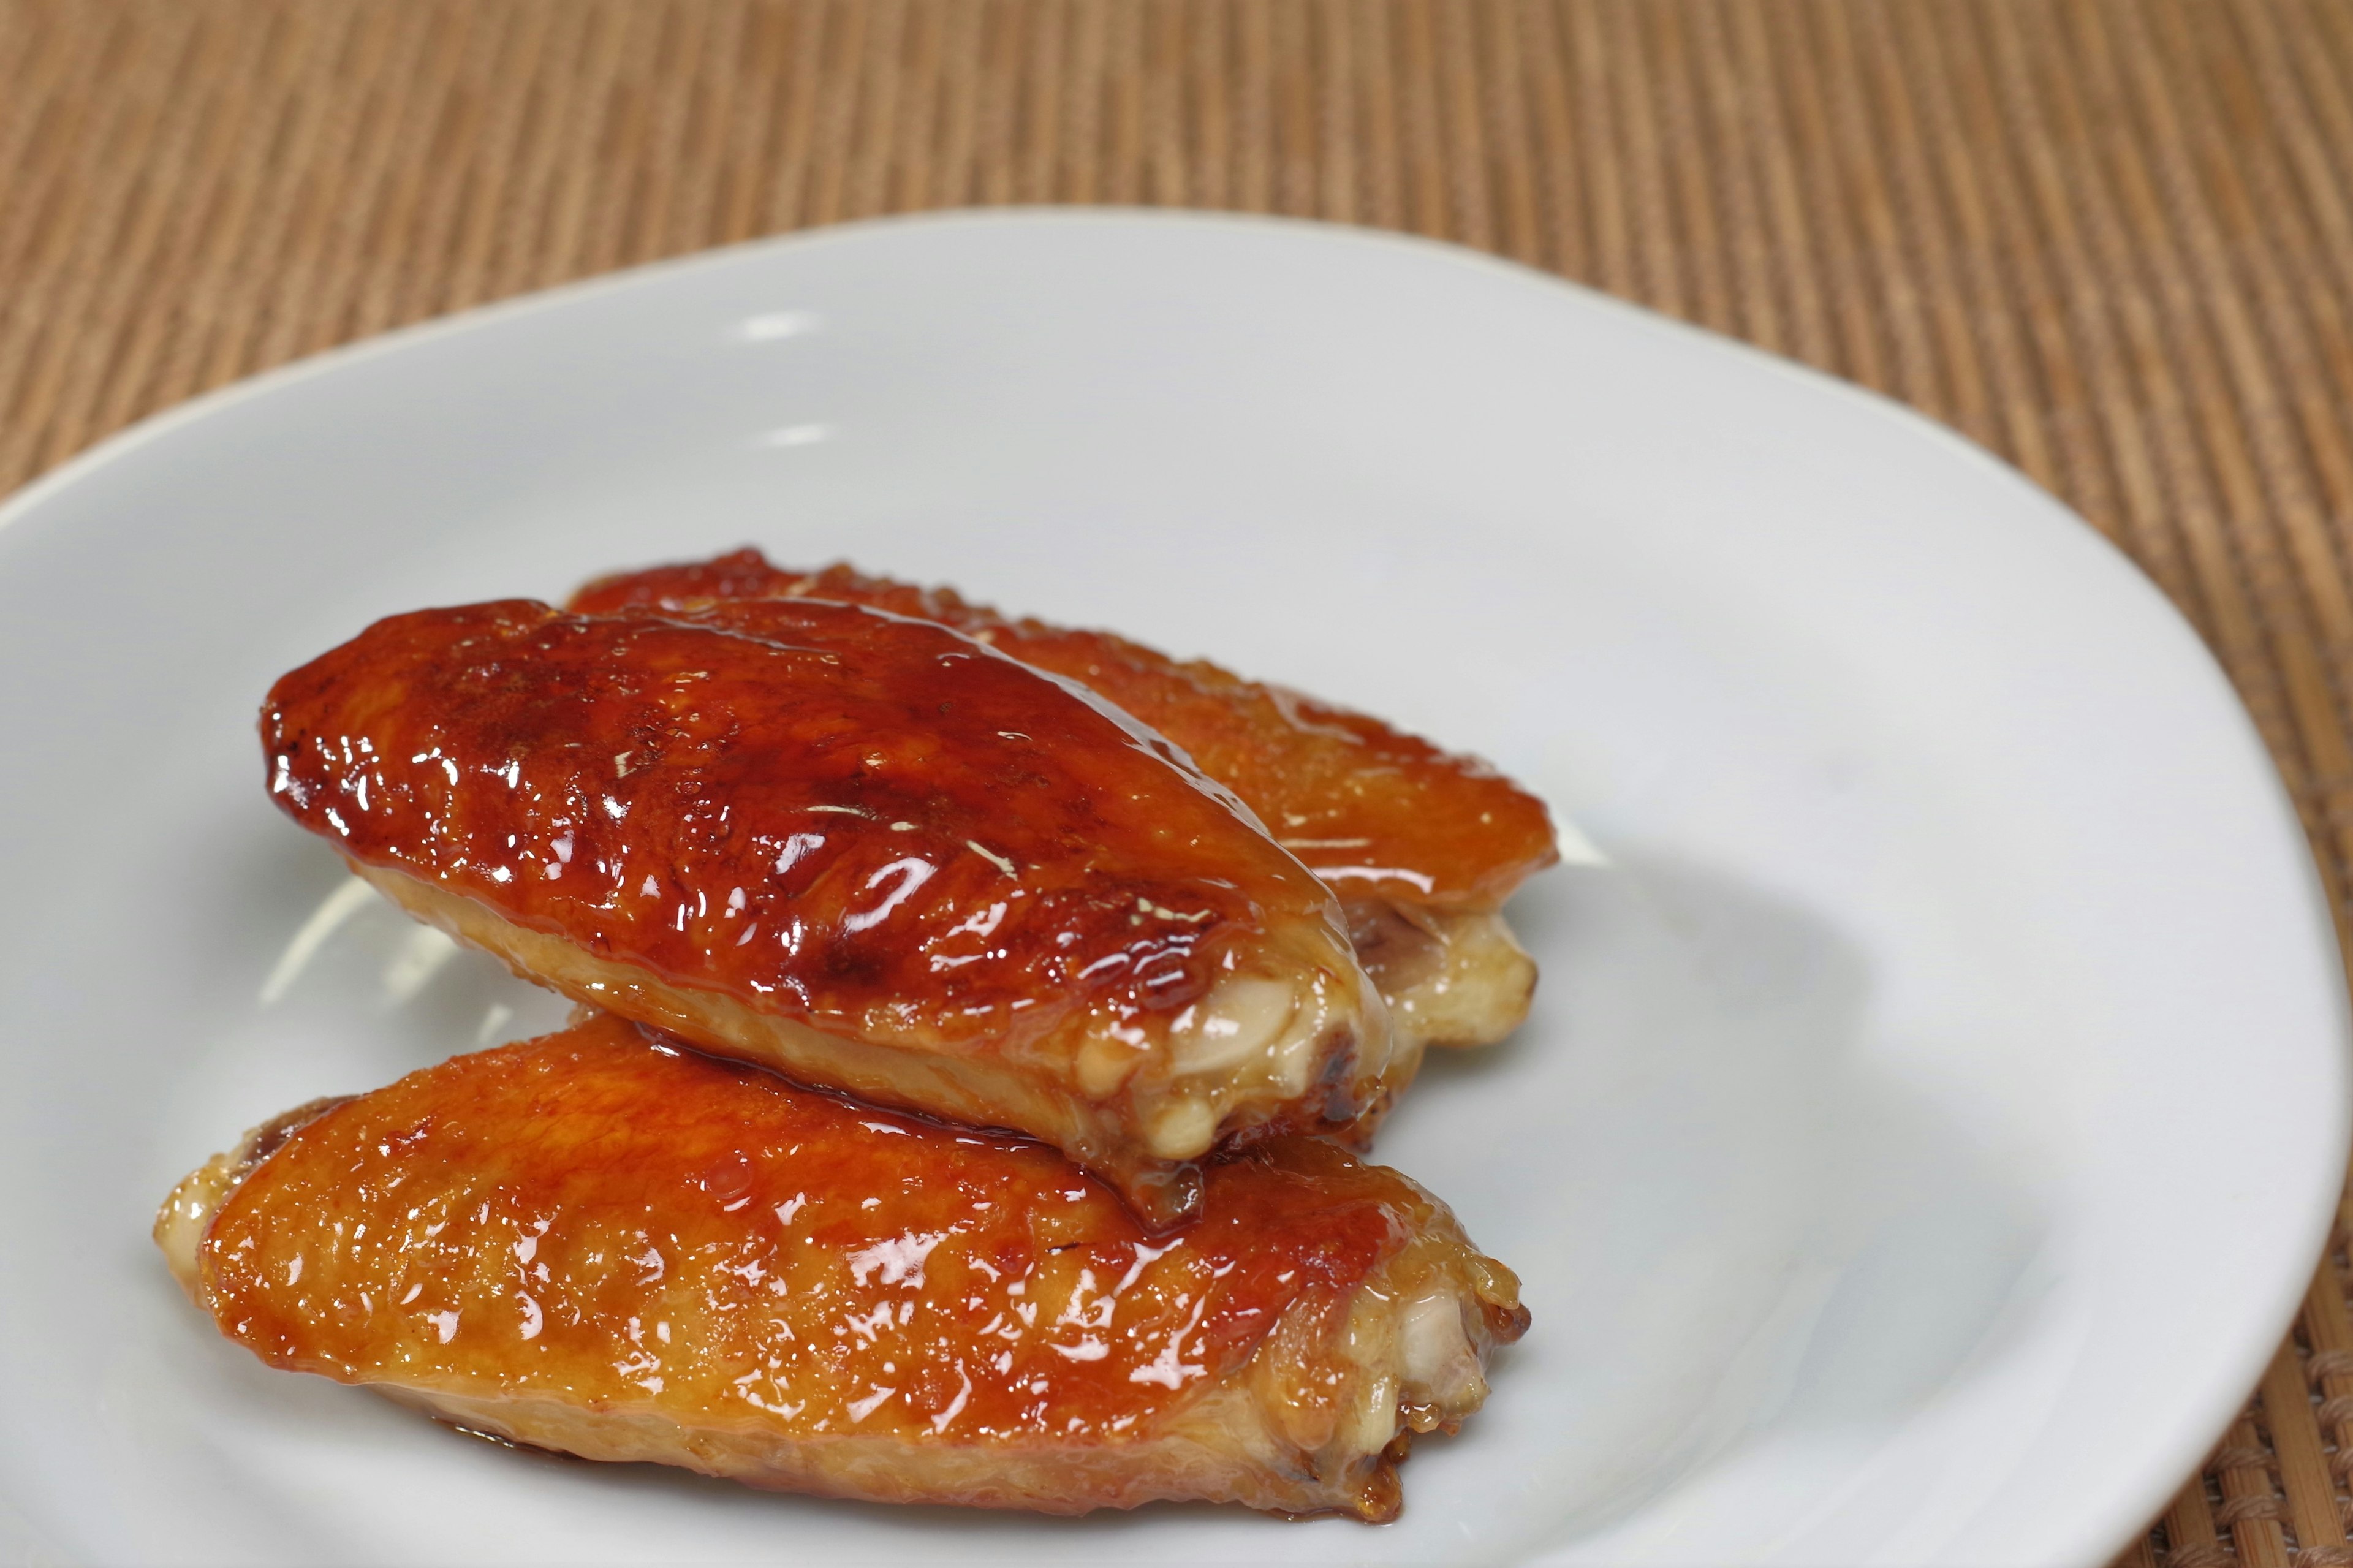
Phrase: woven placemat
(2113,242)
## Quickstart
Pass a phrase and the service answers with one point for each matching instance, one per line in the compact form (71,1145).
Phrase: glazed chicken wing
(597,1243)
(864,849)
(1424,845)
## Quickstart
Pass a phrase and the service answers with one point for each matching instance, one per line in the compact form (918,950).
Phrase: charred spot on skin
(1344,1102)
(271,1135)
(493,1438)
(844,964)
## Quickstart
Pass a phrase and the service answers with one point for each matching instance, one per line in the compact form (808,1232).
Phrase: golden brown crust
(596,1243)
(976,1090)
(809,829)
(1372,810)
(181,1221)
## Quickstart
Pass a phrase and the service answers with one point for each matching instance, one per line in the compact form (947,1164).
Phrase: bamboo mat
(2112,241)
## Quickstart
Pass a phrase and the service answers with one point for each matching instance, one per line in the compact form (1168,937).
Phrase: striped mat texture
(2112,241)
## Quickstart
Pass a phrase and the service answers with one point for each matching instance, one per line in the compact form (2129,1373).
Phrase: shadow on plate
(1733,1213)
(1755,1213)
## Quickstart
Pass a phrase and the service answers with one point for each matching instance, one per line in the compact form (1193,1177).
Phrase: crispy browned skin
(596,1243)
(1365,806)
(863,849)
(1425,844)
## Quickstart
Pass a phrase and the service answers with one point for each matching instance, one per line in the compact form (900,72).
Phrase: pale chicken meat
(599,1243)
(861,848)
(1423,846)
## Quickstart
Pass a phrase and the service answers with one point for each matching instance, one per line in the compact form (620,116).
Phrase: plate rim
(2275,1308)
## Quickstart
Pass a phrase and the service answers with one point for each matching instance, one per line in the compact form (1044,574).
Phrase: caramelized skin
(1370,810)
(792,824)
(598,1242)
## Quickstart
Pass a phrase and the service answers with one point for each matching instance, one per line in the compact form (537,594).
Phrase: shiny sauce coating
(867,823)
(1370,809)
(597,1217)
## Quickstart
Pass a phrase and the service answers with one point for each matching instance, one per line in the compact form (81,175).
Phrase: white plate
(1932,1110)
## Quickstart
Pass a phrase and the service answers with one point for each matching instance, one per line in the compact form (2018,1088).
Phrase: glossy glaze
(870,823)
(602,1220)
(1370,809)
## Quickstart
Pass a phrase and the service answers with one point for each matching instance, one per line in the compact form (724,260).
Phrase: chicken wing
(864,849)
(1424,845)
(598,1243)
